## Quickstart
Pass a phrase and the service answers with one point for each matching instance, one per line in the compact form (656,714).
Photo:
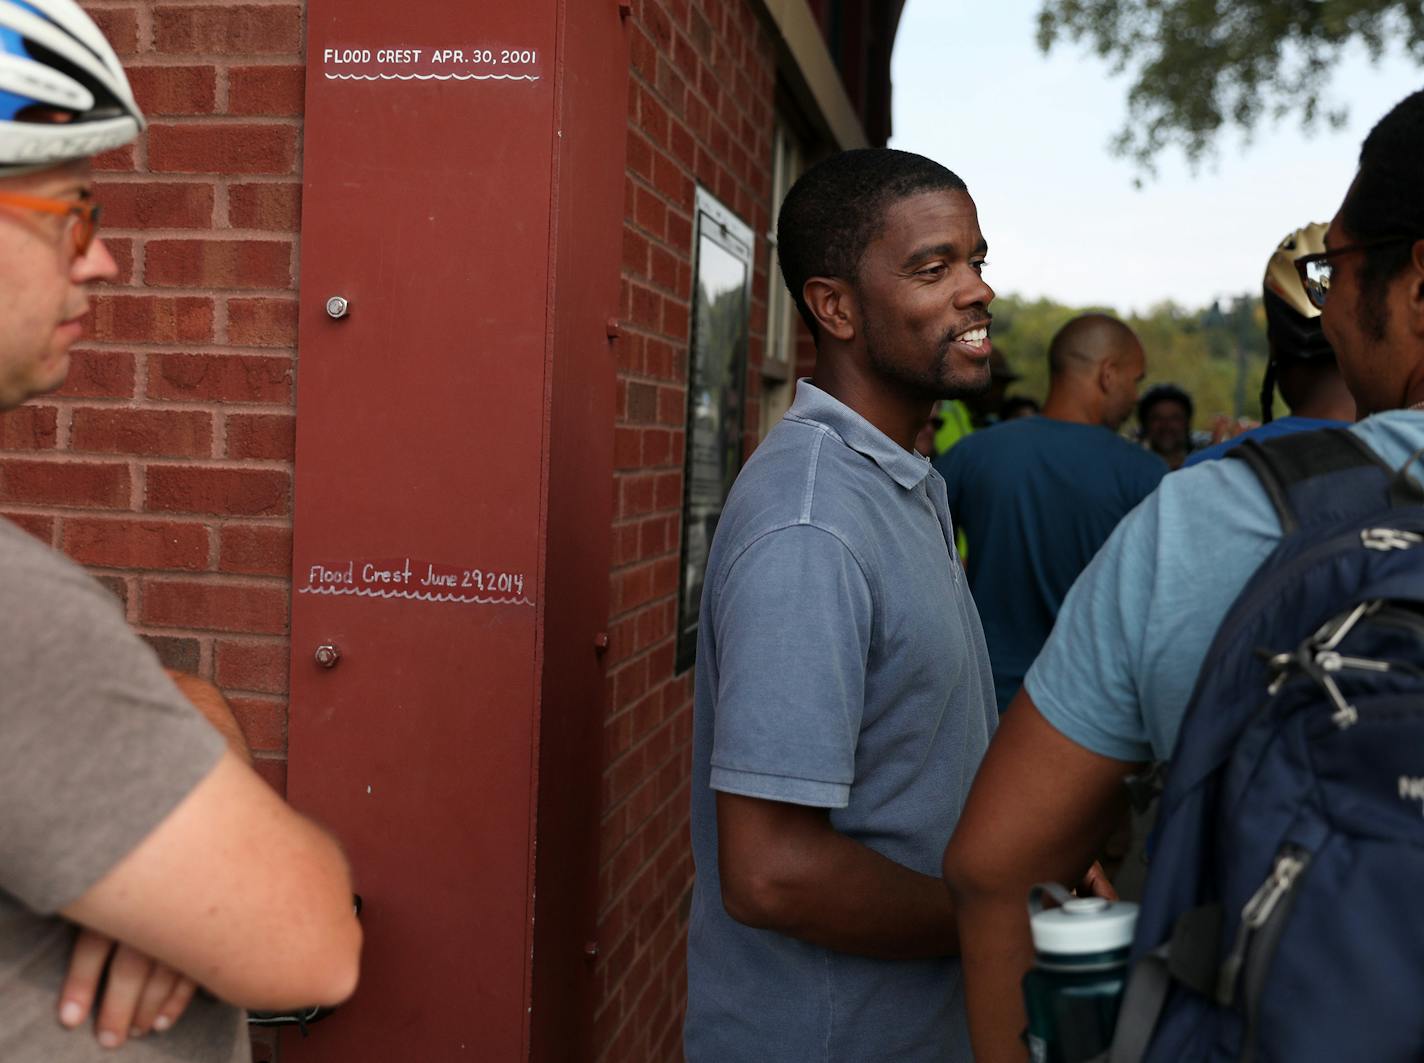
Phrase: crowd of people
(896,732)
(891,747)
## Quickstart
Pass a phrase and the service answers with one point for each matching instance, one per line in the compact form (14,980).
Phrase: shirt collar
(905,467)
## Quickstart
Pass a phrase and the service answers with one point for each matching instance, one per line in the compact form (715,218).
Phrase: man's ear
(1107,375)
(1415,289)
(833,306)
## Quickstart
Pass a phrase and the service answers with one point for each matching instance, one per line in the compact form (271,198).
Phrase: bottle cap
(1083,925)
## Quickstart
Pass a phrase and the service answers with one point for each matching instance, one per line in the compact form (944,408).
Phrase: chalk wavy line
(417,596)
(432,77)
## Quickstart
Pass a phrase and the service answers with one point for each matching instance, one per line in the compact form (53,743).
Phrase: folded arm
(233,890)
(140,994)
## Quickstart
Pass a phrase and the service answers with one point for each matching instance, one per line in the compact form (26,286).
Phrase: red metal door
(429,145)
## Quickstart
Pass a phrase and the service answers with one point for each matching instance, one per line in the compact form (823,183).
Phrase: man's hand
(1097,884)
(140,995)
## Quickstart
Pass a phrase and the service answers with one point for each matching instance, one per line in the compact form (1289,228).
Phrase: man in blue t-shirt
(1036,497)
(1110,688)
(1302,362)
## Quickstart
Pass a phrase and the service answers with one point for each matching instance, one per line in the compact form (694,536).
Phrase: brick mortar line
(632,928)
(632,830)
(201,293)
(156,60)
(161,460)
(197,350)
(111,177)
(613,764)
(286,121)
(656,687)
(693,90)
(229,235)
(166,577)
(186,575)
(642,182)
(213,406)
(197,520)
(633,659)
(635,376)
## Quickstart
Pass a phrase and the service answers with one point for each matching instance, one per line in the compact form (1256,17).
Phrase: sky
(1030,136)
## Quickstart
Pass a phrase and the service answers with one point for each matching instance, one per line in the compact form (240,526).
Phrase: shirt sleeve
(792,625)
(1118,669)
(99,745)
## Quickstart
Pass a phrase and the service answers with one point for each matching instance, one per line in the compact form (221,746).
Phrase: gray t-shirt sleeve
(99,746)
(792,622)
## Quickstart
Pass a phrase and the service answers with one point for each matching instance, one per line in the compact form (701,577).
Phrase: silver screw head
(327,655)
(337,307)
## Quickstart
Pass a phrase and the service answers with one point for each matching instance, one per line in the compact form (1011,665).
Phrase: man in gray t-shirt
(843,692)
(137,846)
(1112,686)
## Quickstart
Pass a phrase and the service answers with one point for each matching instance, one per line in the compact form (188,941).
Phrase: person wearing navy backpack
(1263,611)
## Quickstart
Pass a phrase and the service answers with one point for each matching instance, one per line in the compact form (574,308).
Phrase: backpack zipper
(1290,862)
(1389,539)
(1328,661)
(1270,588)
(1266,937)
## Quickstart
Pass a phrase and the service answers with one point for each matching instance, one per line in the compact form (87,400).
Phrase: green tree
(1218,354)
(1198,65)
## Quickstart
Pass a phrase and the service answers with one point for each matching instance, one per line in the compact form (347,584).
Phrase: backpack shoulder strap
(1311,477)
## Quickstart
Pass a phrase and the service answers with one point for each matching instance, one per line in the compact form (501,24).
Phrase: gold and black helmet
(1292,321)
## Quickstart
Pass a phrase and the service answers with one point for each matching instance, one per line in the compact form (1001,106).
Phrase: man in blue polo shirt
(1110,688)
(843,692)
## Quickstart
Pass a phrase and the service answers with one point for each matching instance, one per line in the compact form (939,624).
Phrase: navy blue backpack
(1284,910)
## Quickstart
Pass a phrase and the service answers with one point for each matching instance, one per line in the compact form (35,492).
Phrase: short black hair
(1387,198)
(837,207)
(1163,393)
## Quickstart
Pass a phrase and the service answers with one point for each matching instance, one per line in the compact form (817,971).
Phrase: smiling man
(843,690)
(138,849)
(1109,690)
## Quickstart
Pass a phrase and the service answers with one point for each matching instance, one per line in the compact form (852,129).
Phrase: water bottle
(1075,988)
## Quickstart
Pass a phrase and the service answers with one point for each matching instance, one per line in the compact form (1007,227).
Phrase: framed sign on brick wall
(717,370)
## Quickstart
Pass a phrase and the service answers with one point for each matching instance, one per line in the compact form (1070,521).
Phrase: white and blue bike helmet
(63,93)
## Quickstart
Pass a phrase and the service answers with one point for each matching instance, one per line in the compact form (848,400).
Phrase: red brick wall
(164,464)
(700,111)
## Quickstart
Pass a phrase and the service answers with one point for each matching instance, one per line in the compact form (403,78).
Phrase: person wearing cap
(1302,362)
(1109,690)
(138,849)
(1037,496)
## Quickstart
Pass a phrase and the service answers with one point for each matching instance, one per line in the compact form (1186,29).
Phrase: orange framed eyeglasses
(85,213)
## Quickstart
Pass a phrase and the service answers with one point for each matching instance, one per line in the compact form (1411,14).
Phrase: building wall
(165,462)
(700,111)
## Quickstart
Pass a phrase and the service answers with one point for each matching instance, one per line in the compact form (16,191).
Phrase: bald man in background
(1037,496)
